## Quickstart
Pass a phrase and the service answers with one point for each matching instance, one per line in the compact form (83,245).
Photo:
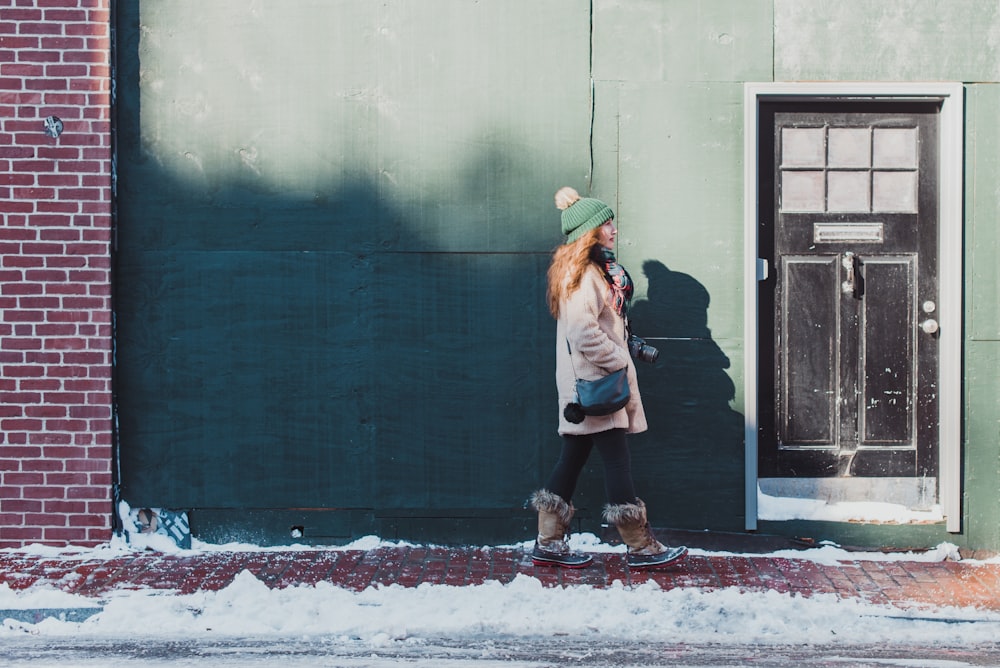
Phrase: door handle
(930,326)
(850,284)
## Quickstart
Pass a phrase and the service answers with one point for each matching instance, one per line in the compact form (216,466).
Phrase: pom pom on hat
(580,214)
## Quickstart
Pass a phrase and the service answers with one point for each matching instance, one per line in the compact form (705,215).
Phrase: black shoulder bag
(603,396)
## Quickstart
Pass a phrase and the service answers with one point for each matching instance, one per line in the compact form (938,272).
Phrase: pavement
(903,582)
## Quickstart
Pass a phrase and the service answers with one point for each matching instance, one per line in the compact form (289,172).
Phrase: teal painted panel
(244,381)
(689,465)
(982,444)
(982,205)
(680,201)
(890,40)
(982,289)
(682,40)
(466,361)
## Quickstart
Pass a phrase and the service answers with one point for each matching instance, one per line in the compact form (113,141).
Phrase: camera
(640,350)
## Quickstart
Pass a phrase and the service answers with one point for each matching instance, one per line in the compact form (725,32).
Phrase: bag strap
(569,350)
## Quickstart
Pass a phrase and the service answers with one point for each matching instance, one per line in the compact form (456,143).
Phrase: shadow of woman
(689,465)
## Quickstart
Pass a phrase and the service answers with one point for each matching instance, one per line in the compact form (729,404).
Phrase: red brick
(50,219)
(67,479)
(61,330)
(45,520)
(68,316)
(65,289)
(42,249)
(17,152)
(90,412)
(22,14)
(43,411)
(18,207)
(56,206)
(67,107)
(41,384)
(32,302)
(85,303)
(65,507)
(24,316)
(19,42)
(20,533)
(22,70)
(22,505)
(93,28)
(65,535)
(22,289)
(20,452)
(20,424)
(87,465)
(87,492)
(17,179)
(41,28)
(69,71)
(62,452)
(40,56)
(20,397)
(72,261)
(86,520)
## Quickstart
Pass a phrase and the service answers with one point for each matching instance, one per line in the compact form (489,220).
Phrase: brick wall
(55,288)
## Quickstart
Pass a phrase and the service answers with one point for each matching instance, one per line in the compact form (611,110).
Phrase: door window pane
(802,147)
(895,147)
(802,191)
(848,191)
(894,191)
(850,147)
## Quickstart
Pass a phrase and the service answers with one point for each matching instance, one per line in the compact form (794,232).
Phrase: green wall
(334,225)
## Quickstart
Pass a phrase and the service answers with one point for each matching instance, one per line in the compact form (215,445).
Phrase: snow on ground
(386,615)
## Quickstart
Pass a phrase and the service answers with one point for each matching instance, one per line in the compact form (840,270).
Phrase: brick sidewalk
(899,583)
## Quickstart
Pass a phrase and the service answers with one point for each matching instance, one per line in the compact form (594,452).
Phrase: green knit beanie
(580,214)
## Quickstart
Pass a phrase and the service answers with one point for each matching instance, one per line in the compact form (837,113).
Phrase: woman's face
(606,234)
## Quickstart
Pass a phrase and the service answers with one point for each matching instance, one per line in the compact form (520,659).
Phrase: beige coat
(596,335)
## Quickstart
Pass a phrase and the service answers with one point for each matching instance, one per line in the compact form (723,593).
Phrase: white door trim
(950,180)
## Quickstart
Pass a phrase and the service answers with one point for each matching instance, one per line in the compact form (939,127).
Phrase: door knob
(930,326)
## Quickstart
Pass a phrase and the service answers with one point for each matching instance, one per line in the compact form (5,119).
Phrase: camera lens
(648,354)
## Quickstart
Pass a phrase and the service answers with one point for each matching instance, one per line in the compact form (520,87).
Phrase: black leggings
(614,451)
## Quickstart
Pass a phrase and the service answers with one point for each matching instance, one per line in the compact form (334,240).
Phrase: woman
(588,295)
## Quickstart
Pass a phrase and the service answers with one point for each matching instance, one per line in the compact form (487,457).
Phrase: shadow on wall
(322,354)
(689,465)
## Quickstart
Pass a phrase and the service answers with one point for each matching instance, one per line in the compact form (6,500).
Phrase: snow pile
(522,608)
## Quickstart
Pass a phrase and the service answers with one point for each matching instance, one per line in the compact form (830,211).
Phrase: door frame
(950,223)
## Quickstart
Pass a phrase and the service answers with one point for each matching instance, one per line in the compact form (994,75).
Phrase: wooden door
(852,239)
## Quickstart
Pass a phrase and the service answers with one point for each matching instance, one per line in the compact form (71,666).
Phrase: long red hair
(569,262)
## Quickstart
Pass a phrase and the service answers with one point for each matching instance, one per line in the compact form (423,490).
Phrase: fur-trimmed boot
(644,551)
(551,548)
